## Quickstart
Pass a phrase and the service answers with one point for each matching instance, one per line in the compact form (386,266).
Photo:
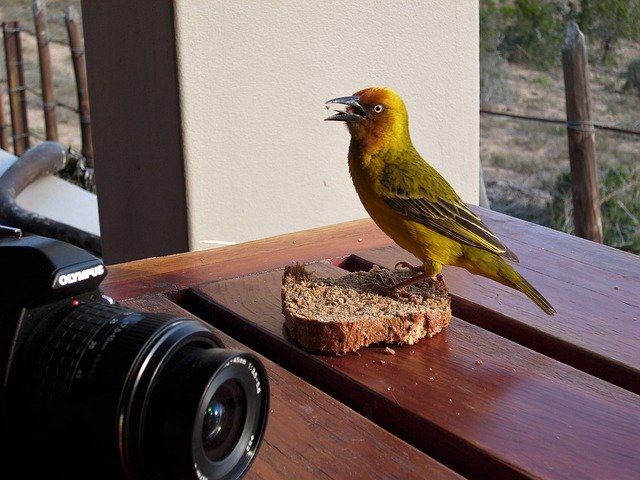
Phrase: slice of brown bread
(342,315)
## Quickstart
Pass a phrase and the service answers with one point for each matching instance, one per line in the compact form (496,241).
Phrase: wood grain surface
(504,392)
(173,273)
(311,436)
(596,329)
(471,399)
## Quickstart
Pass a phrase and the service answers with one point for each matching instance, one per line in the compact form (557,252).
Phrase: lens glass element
(224,420)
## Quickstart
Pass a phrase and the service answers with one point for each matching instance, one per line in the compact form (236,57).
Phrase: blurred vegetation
(520,69)
(619,203)
(532,31)
(632,76)
(493,71)
(606,22)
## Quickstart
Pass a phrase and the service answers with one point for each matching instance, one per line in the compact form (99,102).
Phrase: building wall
(208,115)
(136,128)
(253,79)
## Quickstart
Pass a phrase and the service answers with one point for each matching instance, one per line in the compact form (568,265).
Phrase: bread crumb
(389,351)
(478,362)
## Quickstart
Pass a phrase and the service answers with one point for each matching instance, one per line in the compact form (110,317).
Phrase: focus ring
(64,350)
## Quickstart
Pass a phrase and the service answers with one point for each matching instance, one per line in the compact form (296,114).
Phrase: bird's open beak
(352,113)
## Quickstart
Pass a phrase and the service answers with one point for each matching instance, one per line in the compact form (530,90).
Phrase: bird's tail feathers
(517,281)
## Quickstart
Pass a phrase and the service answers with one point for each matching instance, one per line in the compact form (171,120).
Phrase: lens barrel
(117,393)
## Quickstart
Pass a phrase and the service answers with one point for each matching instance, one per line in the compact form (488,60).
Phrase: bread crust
(342,315)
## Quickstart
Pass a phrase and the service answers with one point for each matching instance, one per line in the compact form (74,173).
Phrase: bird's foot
(440,281)
(400,289)
(418,268)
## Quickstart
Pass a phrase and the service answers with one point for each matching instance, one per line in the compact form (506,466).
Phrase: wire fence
(38,93)
(16,88)
(581,126)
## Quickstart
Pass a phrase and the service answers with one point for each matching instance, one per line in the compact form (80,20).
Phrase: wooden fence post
(80,68)
(4,138)
(48,102)
(17,88)
(581,136)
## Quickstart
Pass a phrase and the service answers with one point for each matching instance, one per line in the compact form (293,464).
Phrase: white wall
(254,76)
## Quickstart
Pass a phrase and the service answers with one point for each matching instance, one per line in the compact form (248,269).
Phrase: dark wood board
(311,435)
(467,397)
(596,329)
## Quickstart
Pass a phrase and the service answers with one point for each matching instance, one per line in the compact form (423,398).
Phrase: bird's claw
(400,288)
(440,281)
(418,268)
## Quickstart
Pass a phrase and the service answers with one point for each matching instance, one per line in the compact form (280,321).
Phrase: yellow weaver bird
(411,202)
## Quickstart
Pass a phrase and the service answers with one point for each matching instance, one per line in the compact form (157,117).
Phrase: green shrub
(560,207)
(619,203)
(632,76)
(606,22)
(533,31)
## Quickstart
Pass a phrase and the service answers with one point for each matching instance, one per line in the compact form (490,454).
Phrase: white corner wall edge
(57,199)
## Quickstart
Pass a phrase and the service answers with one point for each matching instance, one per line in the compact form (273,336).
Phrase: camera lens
(210,423)
(224,418)
(142,395)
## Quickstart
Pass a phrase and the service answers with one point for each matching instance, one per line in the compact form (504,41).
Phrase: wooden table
(504,392)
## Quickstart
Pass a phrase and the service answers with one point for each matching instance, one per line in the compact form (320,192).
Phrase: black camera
(91,389)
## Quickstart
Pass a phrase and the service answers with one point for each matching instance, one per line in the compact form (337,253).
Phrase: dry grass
(522,159)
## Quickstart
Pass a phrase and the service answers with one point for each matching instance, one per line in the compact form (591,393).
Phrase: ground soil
(521,159)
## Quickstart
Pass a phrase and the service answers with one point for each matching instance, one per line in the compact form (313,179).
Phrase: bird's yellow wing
(416,190)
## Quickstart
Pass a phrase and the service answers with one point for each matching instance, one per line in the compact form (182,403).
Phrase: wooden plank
(516,232)
(310,435)
(467,397)
(596,288)
(178,272)
(597,328)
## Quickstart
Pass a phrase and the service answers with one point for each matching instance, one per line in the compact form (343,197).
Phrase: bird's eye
(378,108)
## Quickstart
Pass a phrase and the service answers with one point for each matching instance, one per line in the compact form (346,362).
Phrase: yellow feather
(412,203)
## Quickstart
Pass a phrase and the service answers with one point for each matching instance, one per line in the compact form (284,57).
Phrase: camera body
(40,276)
(91,389)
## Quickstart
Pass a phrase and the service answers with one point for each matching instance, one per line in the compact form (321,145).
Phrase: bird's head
(375,116)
